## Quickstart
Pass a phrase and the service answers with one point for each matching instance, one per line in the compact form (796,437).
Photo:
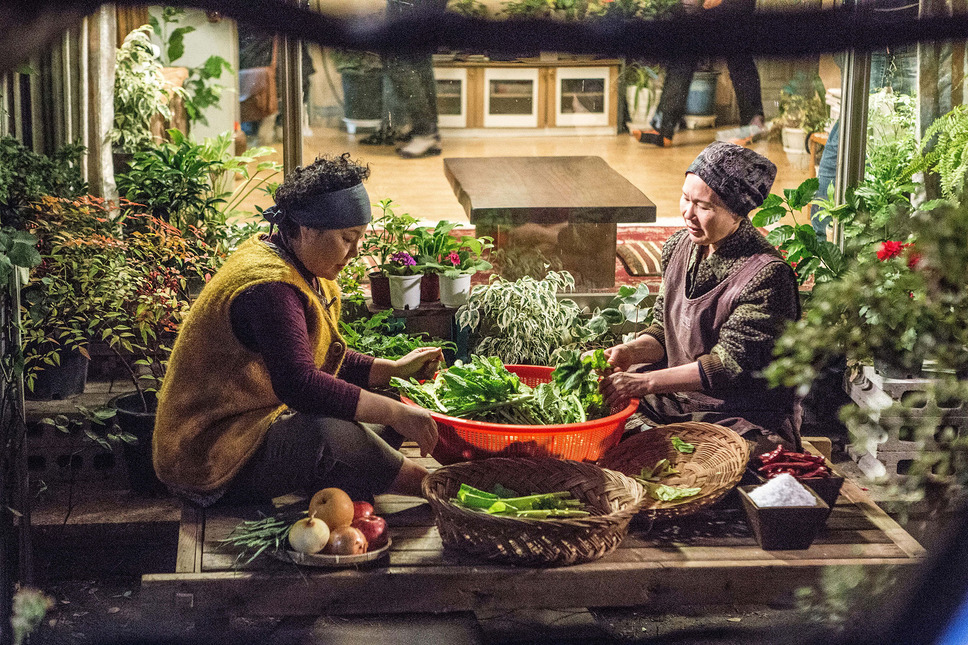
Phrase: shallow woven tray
(716,466)
(611,497)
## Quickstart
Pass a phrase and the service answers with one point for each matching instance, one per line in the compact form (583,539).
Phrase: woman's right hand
(417,425)
(621,357)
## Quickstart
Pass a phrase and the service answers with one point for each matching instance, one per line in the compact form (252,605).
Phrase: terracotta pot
(430,287)
(380,290)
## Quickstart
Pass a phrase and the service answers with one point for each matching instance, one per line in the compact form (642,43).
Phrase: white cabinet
(582,96)
(451,97)
(510,98)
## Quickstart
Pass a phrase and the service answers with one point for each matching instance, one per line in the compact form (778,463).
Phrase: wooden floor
(419,187)
(708,558)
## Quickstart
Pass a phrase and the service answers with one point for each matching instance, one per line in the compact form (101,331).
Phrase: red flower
(890,250)
(914,259)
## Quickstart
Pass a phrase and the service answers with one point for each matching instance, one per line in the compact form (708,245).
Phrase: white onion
(309,535)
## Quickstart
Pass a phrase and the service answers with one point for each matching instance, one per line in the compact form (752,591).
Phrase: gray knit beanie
(742,178)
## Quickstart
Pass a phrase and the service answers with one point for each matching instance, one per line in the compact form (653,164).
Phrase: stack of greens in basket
(504,501)
(484,390)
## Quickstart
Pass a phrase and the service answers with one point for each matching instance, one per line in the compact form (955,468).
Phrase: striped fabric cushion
(640,258)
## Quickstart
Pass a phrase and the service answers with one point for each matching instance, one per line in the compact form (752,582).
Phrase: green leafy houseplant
(201,91)
(401,263)
(524,322)
(802,104)
(798,243)
(140,92)
(646,79)
(942,150)
(387,234)
(198,187)
(441,252)
(26,176)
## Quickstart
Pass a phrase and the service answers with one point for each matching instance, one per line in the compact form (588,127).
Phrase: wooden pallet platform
(708,558)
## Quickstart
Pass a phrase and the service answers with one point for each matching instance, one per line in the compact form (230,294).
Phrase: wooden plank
(469,588)
(191,538)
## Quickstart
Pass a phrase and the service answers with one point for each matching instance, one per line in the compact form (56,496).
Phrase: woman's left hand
(421,363)
(620,387)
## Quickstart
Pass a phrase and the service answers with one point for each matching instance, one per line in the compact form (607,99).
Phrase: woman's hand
(619,387)
(621,357)
(416,424)
(421,363)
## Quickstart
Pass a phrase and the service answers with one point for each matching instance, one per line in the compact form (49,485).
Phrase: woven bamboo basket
(611,497)
(716,466)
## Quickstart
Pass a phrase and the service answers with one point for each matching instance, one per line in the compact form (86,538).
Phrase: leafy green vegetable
(255,537)
(666,493)
(682,446)
(662,468)
(383,336)
(538,506)
(484,390)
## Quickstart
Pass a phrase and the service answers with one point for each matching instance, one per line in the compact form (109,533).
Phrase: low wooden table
(708,558)
(567,208)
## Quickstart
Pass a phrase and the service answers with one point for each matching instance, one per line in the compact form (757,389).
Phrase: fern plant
(942,150)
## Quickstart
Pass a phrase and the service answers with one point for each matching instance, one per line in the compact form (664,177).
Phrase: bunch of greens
(651,478)
(484,390)
(505,502)
(383,336)
(255,537)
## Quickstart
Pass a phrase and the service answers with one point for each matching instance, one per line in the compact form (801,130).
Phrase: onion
(309,535)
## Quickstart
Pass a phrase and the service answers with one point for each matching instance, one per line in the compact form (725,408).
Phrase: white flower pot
(641,114)
(405,291)
(454,291)
(795,141)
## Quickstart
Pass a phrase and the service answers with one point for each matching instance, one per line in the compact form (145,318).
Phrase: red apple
(362,509)
(374,528)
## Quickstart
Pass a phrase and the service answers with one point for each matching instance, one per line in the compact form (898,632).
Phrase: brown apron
(748,406)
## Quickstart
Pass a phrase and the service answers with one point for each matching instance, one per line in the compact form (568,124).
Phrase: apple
(373,528)
(362,509)
(332,506)
(346,540)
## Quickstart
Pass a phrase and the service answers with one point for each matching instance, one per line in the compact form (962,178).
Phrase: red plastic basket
(464,440)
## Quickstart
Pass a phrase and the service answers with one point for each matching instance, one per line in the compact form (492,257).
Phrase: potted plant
(643,87)
(388,233)
(362,76)
(431,245)
(404,280)
(802,112)
(461,259)
(140,92)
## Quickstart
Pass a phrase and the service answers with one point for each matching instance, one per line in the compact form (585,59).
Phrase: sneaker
(653,137)
(421,146)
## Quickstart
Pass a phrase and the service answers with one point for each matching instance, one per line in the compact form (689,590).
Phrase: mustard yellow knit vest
(217,402)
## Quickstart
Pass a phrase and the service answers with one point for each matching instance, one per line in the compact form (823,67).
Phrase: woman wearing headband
(726,296)
(262,397)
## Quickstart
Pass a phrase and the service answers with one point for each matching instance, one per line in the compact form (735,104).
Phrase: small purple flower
(403,258)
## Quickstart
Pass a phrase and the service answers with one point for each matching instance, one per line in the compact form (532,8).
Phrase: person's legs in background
(672,105)
(412,80)
(746,84)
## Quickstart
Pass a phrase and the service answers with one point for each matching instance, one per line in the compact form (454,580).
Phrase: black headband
(343,208)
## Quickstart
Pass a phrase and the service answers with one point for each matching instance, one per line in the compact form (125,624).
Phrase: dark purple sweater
(270,319)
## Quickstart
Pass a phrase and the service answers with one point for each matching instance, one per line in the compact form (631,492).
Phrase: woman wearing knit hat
(726,296)
(262,397)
